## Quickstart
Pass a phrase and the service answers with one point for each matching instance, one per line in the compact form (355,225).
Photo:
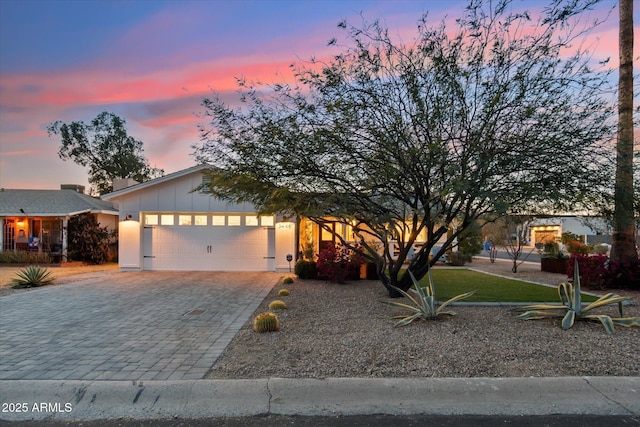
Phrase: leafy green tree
(88,241)
(623,249)
(105,148)
(398,139)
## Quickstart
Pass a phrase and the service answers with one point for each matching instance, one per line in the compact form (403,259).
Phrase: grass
(451,282)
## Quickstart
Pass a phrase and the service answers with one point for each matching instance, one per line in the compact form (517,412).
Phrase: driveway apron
(127,326)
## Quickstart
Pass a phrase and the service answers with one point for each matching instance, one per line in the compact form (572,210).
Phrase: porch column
(65,223)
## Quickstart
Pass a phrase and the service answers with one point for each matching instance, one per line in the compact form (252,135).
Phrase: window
(184,219)
(267,221)
(200,219)
(167,219)
(251,221)
(151,219)
(217,220)
(233,220)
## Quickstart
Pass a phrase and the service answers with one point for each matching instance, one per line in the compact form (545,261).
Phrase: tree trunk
(624,247)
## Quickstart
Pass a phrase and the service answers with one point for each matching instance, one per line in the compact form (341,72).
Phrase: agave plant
(423,304)
(572,309)
(31,277)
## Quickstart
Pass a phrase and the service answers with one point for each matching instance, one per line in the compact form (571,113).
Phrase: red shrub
(598,272)
(338,264)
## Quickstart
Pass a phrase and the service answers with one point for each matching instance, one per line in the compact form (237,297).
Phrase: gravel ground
(332,330)
(66,274)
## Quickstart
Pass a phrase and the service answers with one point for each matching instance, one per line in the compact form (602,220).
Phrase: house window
(151,219)
(166,220)
(234,220)
(217,220)
(200,219)
(267,221)
(251,221)
(184,219)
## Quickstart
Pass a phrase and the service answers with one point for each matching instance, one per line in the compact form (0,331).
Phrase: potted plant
(553,259)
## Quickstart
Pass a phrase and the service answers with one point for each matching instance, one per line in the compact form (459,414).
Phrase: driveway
(127,326)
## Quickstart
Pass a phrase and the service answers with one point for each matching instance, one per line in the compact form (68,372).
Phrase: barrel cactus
(266,322)
(287,280)
(283,292)
(277,305)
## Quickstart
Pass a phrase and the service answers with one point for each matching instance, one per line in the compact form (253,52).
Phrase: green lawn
(451,282)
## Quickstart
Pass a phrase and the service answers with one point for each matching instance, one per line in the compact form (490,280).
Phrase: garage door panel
(207,248)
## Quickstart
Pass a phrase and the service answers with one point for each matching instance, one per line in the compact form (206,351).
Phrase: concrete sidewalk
(100,400)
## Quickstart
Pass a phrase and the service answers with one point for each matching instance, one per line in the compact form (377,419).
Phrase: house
(165,225)
(36,220)
(592,230)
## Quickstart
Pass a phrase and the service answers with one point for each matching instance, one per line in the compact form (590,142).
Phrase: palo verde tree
(398,140)
(105,148)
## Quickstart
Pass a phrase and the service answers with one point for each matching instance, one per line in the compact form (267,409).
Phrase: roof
(151,183)
(51,203)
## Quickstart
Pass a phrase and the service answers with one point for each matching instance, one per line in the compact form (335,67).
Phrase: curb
(100,400)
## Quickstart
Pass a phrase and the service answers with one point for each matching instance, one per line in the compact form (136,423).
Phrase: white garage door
(208,242)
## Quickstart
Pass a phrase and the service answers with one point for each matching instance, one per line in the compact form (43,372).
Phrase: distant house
(591,230)
(36,220)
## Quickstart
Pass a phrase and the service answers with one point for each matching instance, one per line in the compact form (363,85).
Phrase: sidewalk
(99,400)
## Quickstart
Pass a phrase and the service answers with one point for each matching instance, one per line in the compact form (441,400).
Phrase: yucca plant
(32,276)
(571,308)
(423,304)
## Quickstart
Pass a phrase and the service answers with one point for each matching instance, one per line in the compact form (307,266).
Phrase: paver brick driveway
(127,326)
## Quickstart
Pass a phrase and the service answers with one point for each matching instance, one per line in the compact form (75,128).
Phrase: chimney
(120,183)
(74,187)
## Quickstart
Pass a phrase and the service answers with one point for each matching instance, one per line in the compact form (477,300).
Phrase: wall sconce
(128,218)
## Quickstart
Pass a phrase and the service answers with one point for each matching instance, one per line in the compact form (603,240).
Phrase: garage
(202,241)
(166,224)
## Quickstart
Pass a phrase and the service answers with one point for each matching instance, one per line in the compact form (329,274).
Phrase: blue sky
(151,62)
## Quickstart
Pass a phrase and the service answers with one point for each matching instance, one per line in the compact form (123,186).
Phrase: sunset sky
(151,62)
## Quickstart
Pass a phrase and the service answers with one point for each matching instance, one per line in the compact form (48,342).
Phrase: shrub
(577,248)
(338,264)
(88,242)
(287,280)
(598,272)
(458,258)
(593,270)
(277,305)
(32,277)
(305,269)
(266,322)
(10,257)
(283,292)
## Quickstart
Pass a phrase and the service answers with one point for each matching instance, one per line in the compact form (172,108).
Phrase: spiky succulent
(277,305)
(32,276)
(287,280)
(266,322)
(571,309)
(283,292)
(423,304)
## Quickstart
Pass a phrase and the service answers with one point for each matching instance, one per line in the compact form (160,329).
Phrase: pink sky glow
(152,62)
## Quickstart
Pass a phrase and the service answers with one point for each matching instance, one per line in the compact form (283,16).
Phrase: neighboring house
(36,220)
(593,230)
(165,225)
